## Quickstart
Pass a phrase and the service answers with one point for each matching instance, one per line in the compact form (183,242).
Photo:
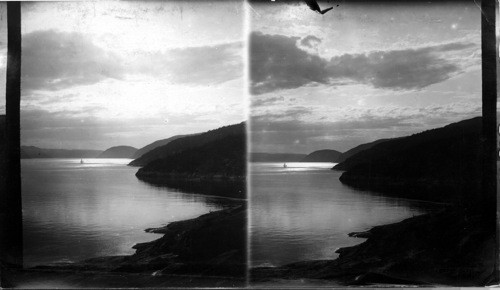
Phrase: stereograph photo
(248,144)
(368,128)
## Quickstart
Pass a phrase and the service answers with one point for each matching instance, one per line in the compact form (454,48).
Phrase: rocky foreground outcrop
(212,245)
(445,248)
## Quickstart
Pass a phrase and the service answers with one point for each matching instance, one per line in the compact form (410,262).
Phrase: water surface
(303,212)
(74,211)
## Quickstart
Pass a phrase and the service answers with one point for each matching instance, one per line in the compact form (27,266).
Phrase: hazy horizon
(101,74)
(139,147)
(361,72)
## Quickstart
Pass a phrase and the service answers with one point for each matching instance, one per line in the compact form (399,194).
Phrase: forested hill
(211,163)
(220,158)
(192,141)
(28,152)
(442,164)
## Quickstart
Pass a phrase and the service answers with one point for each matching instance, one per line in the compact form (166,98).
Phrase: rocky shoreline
(209,249)
(444,248)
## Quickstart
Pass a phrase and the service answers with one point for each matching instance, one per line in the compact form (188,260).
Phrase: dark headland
(28,152)
(184,143)
(455,246)
(211,163)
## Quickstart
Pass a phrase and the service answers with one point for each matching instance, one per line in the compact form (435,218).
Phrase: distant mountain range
(182,144)
(118,152)
(155,145)
(28,152)
(324,155)
(113,152)
(442,164)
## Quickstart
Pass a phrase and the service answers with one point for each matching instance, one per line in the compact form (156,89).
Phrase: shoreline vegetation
(455,246)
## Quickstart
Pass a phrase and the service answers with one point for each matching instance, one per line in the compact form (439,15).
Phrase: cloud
(277,62)
(258,102)
(310,41)
(398,69)
(292,113)
(194,65)
(53,60)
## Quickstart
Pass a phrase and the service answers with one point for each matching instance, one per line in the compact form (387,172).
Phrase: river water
(303,212)
(74,211)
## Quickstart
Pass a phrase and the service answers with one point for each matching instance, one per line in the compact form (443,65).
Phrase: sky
(97,75)
(101,74)
(360,72)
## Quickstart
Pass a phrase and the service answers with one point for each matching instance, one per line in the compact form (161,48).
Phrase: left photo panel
(133,144)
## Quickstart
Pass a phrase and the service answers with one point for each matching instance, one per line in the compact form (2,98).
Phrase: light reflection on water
(303,212)
(74,211)
(274,167)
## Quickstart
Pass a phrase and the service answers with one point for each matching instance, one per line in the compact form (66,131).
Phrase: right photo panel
(365,145)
